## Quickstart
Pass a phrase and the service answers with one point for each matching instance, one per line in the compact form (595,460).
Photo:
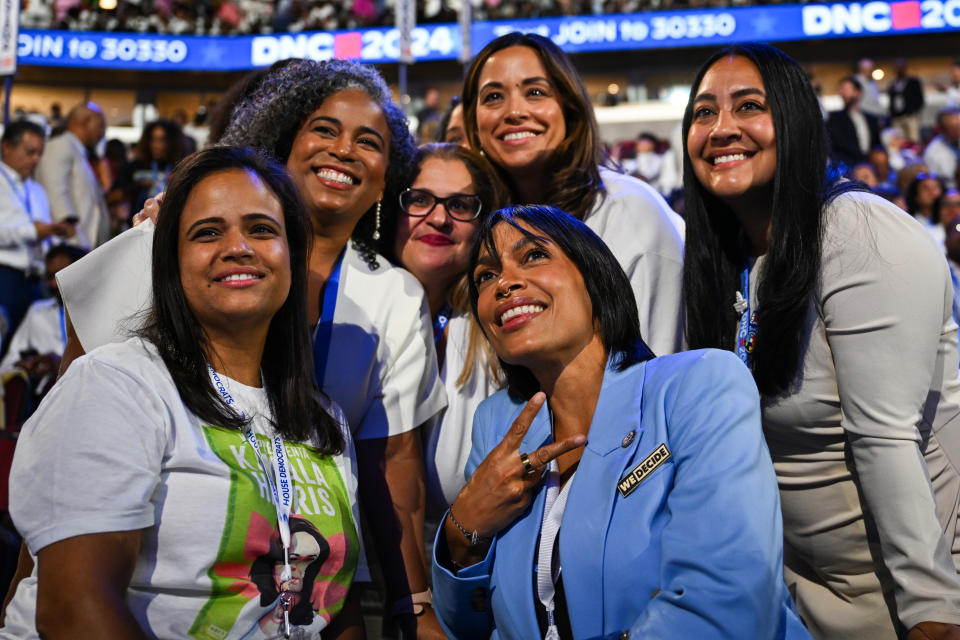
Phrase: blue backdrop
(650,30)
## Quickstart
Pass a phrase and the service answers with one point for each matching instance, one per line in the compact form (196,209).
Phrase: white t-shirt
(448,437)
(42,329)
(19,247)
(646,237)
(113,448)
(381,366)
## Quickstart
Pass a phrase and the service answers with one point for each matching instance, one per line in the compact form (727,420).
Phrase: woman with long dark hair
(632,496)
(159,467)
(526,108)
(347,148)
(922,199)
(840,304)
(160,148)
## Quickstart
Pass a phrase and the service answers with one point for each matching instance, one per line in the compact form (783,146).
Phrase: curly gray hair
(271,115)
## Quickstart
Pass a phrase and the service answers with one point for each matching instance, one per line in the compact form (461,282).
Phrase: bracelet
(472,537)
(414,603)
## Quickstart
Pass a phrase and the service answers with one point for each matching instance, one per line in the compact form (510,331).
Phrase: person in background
(181,119)
(952,88)
(879,159)
(922,199)
(116,159)
(71,185)
(870,96)
(25,222)
(37,345)
(906,102)
(950,217)
(900,151)
(160,148)
(654,166)
(942,154)
(840,305)
(526,108)
(428,117)
(864,173)
(852,131)
(451,125)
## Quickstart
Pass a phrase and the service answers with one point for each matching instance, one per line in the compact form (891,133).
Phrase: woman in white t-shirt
(347,148)
(160,468)
(453,191)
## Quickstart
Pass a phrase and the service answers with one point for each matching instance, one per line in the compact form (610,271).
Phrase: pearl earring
(376,224)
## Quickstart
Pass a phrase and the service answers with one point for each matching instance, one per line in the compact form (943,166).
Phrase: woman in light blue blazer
(640,487)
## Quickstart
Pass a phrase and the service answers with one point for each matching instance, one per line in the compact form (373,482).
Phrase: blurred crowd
(228,17)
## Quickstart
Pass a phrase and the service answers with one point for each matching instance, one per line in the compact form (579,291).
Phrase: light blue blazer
(694,551)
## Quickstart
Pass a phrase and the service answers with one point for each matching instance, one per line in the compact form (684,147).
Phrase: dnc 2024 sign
(647,30)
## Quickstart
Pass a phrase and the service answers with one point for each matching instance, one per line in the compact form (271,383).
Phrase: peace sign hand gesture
(501,488)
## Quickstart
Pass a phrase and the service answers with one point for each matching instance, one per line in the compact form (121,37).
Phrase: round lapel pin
(627,439)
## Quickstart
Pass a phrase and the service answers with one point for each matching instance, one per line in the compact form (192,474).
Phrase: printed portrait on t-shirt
(245,576)
(308,551)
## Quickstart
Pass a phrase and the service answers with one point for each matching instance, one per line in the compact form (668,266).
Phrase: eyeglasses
(460,206)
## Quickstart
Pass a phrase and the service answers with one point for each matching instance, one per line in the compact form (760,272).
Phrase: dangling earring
(376,223)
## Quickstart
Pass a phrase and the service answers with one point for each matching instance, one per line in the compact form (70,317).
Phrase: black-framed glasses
(460,206)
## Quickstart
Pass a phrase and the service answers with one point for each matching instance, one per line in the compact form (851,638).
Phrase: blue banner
(648,30)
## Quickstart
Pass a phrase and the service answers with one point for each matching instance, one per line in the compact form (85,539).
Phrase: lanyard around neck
(440,322)
(281,486)
(323,333)
(554,506)
(747,327)
(63,324)
(25,198)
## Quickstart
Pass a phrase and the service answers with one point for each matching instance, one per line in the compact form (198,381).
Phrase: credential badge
(650,464)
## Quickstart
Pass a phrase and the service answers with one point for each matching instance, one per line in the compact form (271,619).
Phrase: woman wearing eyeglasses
(454,190)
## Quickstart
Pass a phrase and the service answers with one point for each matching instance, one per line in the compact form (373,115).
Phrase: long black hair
(912,191)
(574,170)
(287,365)
(611,296)
(715,249)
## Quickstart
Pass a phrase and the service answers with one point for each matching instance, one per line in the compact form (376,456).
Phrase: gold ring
(528,468)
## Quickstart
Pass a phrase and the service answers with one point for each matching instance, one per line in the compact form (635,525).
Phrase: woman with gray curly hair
(347,148)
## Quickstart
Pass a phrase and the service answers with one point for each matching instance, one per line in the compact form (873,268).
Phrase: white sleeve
(411,391)
(644,235)
(89,459)
(17,235)
(882,302)
(106,290)
(657,282)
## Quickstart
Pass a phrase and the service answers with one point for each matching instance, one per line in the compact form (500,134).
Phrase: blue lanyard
(440,323)
(747,327)
(322,334)
(25,199)
(63,326)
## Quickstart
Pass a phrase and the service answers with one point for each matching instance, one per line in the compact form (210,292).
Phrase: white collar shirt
(22,202)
